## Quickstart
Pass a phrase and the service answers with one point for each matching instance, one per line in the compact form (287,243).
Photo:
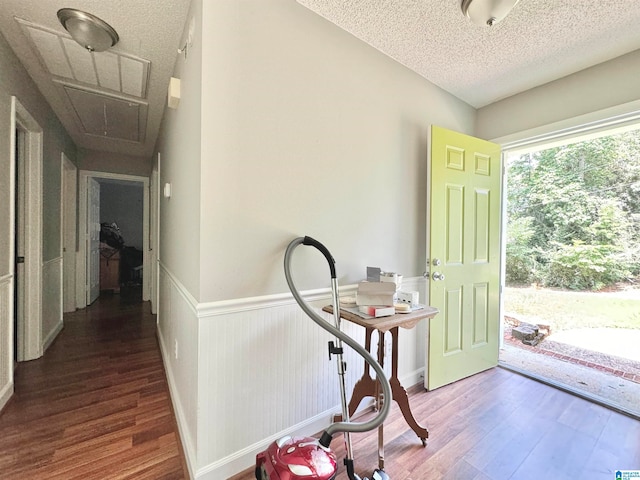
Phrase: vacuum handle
(375,422)
(324,250)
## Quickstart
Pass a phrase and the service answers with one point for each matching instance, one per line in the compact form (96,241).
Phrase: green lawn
(567,310)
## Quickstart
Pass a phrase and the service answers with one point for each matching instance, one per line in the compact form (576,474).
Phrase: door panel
(93,225)
(464,230)
(453,322)
(480,316)
(455,224)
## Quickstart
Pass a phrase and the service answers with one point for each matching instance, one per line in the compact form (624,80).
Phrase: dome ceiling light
(487,12)
(92,33)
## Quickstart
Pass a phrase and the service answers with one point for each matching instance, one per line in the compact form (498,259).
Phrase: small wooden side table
(366,386)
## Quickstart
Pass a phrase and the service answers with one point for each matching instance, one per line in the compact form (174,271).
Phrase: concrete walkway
(619,342)
(603,387)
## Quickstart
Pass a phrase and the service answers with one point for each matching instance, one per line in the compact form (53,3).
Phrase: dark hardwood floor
(97,405)
(499,425)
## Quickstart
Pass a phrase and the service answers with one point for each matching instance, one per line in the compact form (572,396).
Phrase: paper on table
(357,312)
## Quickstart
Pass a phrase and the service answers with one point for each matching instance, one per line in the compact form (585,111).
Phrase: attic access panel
(107,116)
(64,58)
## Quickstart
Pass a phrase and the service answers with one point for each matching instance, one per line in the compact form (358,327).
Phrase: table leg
(366,386)
(378,402)
(400,394)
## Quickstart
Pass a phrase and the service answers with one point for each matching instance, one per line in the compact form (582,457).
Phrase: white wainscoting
(262,372)
(6,337)
(178,323)
(52,278)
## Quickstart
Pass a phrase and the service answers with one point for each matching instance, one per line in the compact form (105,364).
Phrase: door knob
(436,262)
(437,276)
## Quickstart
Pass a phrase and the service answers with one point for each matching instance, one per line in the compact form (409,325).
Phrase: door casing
(29,333)
(82,258)
(68,222)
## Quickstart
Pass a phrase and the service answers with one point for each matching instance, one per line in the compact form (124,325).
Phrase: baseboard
(189,452)
(245,458)
(413,378)
(5,395)
(52,336)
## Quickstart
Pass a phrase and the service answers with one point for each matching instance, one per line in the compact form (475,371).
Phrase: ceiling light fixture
(92,33)
(487,12)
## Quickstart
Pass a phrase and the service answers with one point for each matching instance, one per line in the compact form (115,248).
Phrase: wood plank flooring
(499,425)
(97,405)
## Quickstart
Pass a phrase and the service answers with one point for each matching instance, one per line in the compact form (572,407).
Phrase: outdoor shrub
(518,270)
(520,262)
(575,214)
(581,267)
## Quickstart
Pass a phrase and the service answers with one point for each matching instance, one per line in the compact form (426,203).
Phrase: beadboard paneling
(6,346)
(51,301)
(264,372)
(178,322)
(252,370)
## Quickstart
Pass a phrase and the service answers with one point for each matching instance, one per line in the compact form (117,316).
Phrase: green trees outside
(574,214)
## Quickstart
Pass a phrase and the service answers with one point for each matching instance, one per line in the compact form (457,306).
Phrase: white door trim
(81,271)
(154,236)
(30,341)
(68,229)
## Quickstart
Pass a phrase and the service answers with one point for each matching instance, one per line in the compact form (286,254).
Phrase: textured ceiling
(113,101)
(108,101)
(538,42)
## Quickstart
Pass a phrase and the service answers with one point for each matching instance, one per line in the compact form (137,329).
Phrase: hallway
(96,405)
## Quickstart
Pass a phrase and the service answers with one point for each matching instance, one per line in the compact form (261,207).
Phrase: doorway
(18,244)
(90,258)
(572,266)
(26,226)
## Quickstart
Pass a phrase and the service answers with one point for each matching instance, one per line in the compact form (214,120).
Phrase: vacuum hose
(384,382)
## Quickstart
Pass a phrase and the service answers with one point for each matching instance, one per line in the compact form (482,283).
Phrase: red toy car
(296,459)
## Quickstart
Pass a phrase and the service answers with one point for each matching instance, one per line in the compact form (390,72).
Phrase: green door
(464,256)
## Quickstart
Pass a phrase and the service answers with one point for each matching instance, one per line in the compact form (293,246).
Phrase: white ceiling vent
(107,116)
(64,58)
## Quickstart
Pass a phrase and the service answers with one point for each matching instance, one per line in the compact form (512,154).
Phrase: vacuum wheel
(261,473)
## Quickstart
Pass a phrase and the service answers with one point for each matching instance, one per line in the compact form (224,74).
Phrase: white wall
(14,80)
(179,143)
(113,163)
(287,126)
(179,255)
(566,102)
(309,131)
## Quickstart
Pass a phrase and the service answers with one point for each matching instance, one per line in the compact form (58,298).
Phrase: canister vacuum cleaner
(307,458)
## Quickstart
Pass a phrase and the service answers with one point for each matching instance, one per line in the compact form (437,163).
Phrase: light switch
(173,95)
